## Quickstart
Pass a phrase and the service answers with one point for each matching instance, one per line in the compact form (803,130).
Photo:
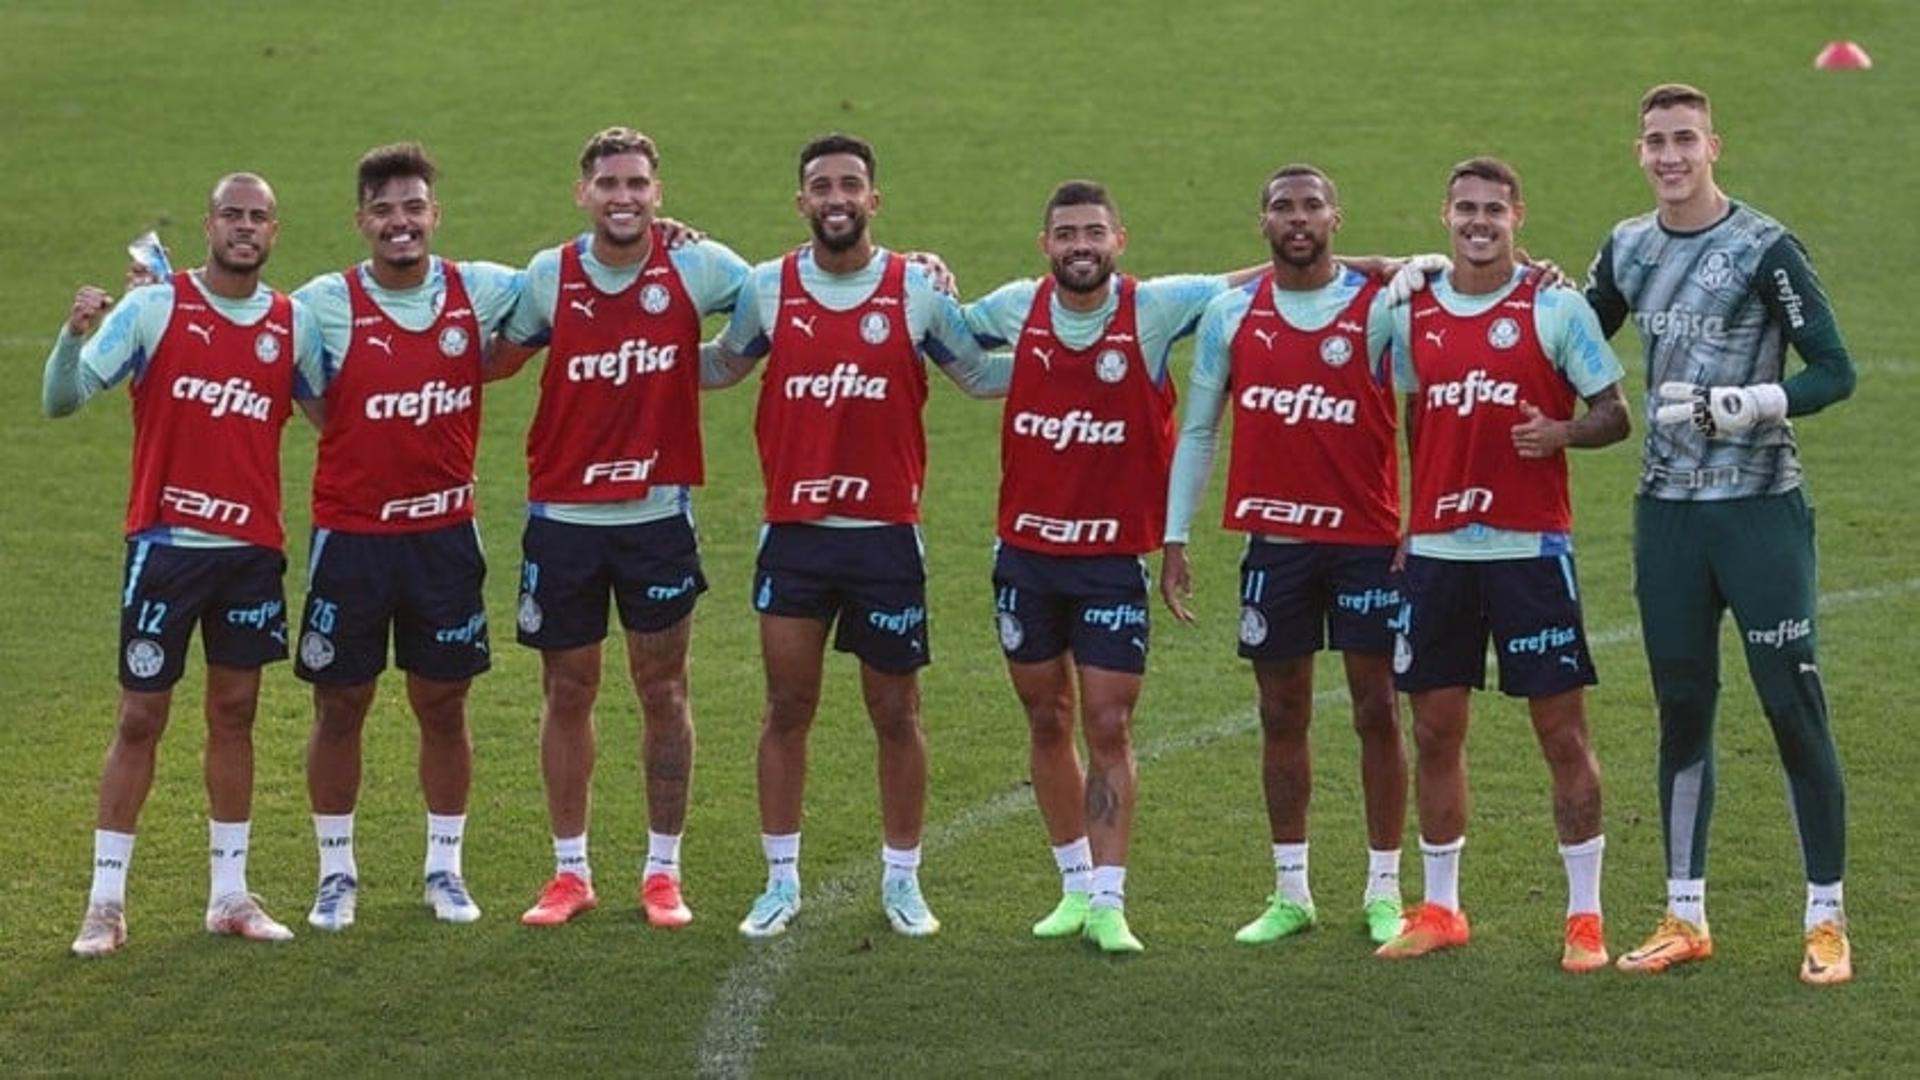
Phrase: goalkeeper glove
(1412,277)
(1721,411)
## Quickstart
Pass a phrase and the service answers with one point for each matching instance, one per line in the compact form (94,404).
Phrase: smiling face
(1481,216)
(241,225)
(398,219)
(1677,150)
(621,197)
(837,197)
(1081,243)
(1299,220)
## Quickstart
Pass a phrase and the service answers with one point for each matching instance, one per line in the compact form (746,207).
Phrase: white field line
(734,1029)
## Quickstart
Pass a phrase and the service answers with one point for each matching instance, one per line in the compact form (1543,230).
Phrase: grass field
(119,114)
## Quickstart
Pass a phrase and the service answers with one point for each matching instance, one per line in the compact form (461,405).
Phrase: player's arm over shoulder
(712,273)
(1399,337)
(310,373)
(747,337)
(1570,332)
(1213,340)
(1380,323)
(950,343)
(996,318)
(494,289)
(1602,294)
(1201,412)
(531,320)
(1182,298)
(1788,285)
(326,300)
(529,324)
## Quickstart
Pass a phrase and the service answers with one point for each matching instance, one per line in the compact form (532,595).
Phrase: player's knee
(1050,724)
(231,714)
(896,725)
(1686,690)
(1380,728)
(426,693)
(232,699)
(1375,716)
(1109,734)
(791,708)
(570,692)
(1438,735)
(1283,719)
(663,701)
(339,711)
(142,718)
(1804,740)
(655,673)
(1567,749)
(440,707)
(1789,683)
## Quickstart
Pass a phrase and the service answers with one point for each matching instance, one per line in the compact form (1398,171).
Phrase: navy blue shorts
(1296,599)
(566,572)
(234,594)
(1094,604)
(1530,607)
(872,579)
(425,585)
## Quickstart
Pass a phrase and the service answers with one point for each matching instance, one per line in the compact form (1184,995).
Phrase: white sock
(783,858)
(1110,886)
(663,855)
(1687,899)
(1824,905)
(335,835)
(444,834)
(112,851)
(1441,863)
(1075,861)
(227,857)
(1383,876)
(902,864)
(1290,873)
(1583,875)
(570,857)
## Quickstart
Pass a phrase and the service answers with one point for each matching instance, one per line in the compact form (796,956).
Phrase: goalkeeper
(1717,291)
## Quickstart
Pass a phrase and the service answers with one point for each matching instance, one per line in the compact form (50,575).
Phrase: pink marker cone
(1843,56)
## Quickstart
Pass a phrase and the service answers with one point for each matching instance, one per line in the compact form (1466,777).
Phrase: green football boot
(1107,928)
(1067,919)
(1384,915)
(1283,918)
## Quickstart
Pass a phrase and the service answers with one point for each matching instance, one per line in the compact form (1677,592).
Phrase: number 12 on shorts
(152,614)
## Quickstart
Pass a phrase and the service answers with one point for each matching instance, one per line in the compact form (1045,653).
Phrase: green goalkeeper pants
(1693,560)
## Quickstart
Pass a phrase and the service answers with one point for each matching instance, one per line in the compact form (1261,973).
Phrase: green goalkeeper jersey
(1718,307)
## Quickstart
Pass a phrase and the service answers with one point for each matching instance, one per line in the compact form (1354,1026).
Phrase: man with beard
(395,546)
(843,324)
(213,361)
(1085,444)
(1491,364)
(613,450)
(1718,290)
(1313,480)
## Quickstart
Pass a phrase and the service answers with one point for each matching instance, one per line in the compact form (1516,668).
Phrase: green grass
(120,113)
